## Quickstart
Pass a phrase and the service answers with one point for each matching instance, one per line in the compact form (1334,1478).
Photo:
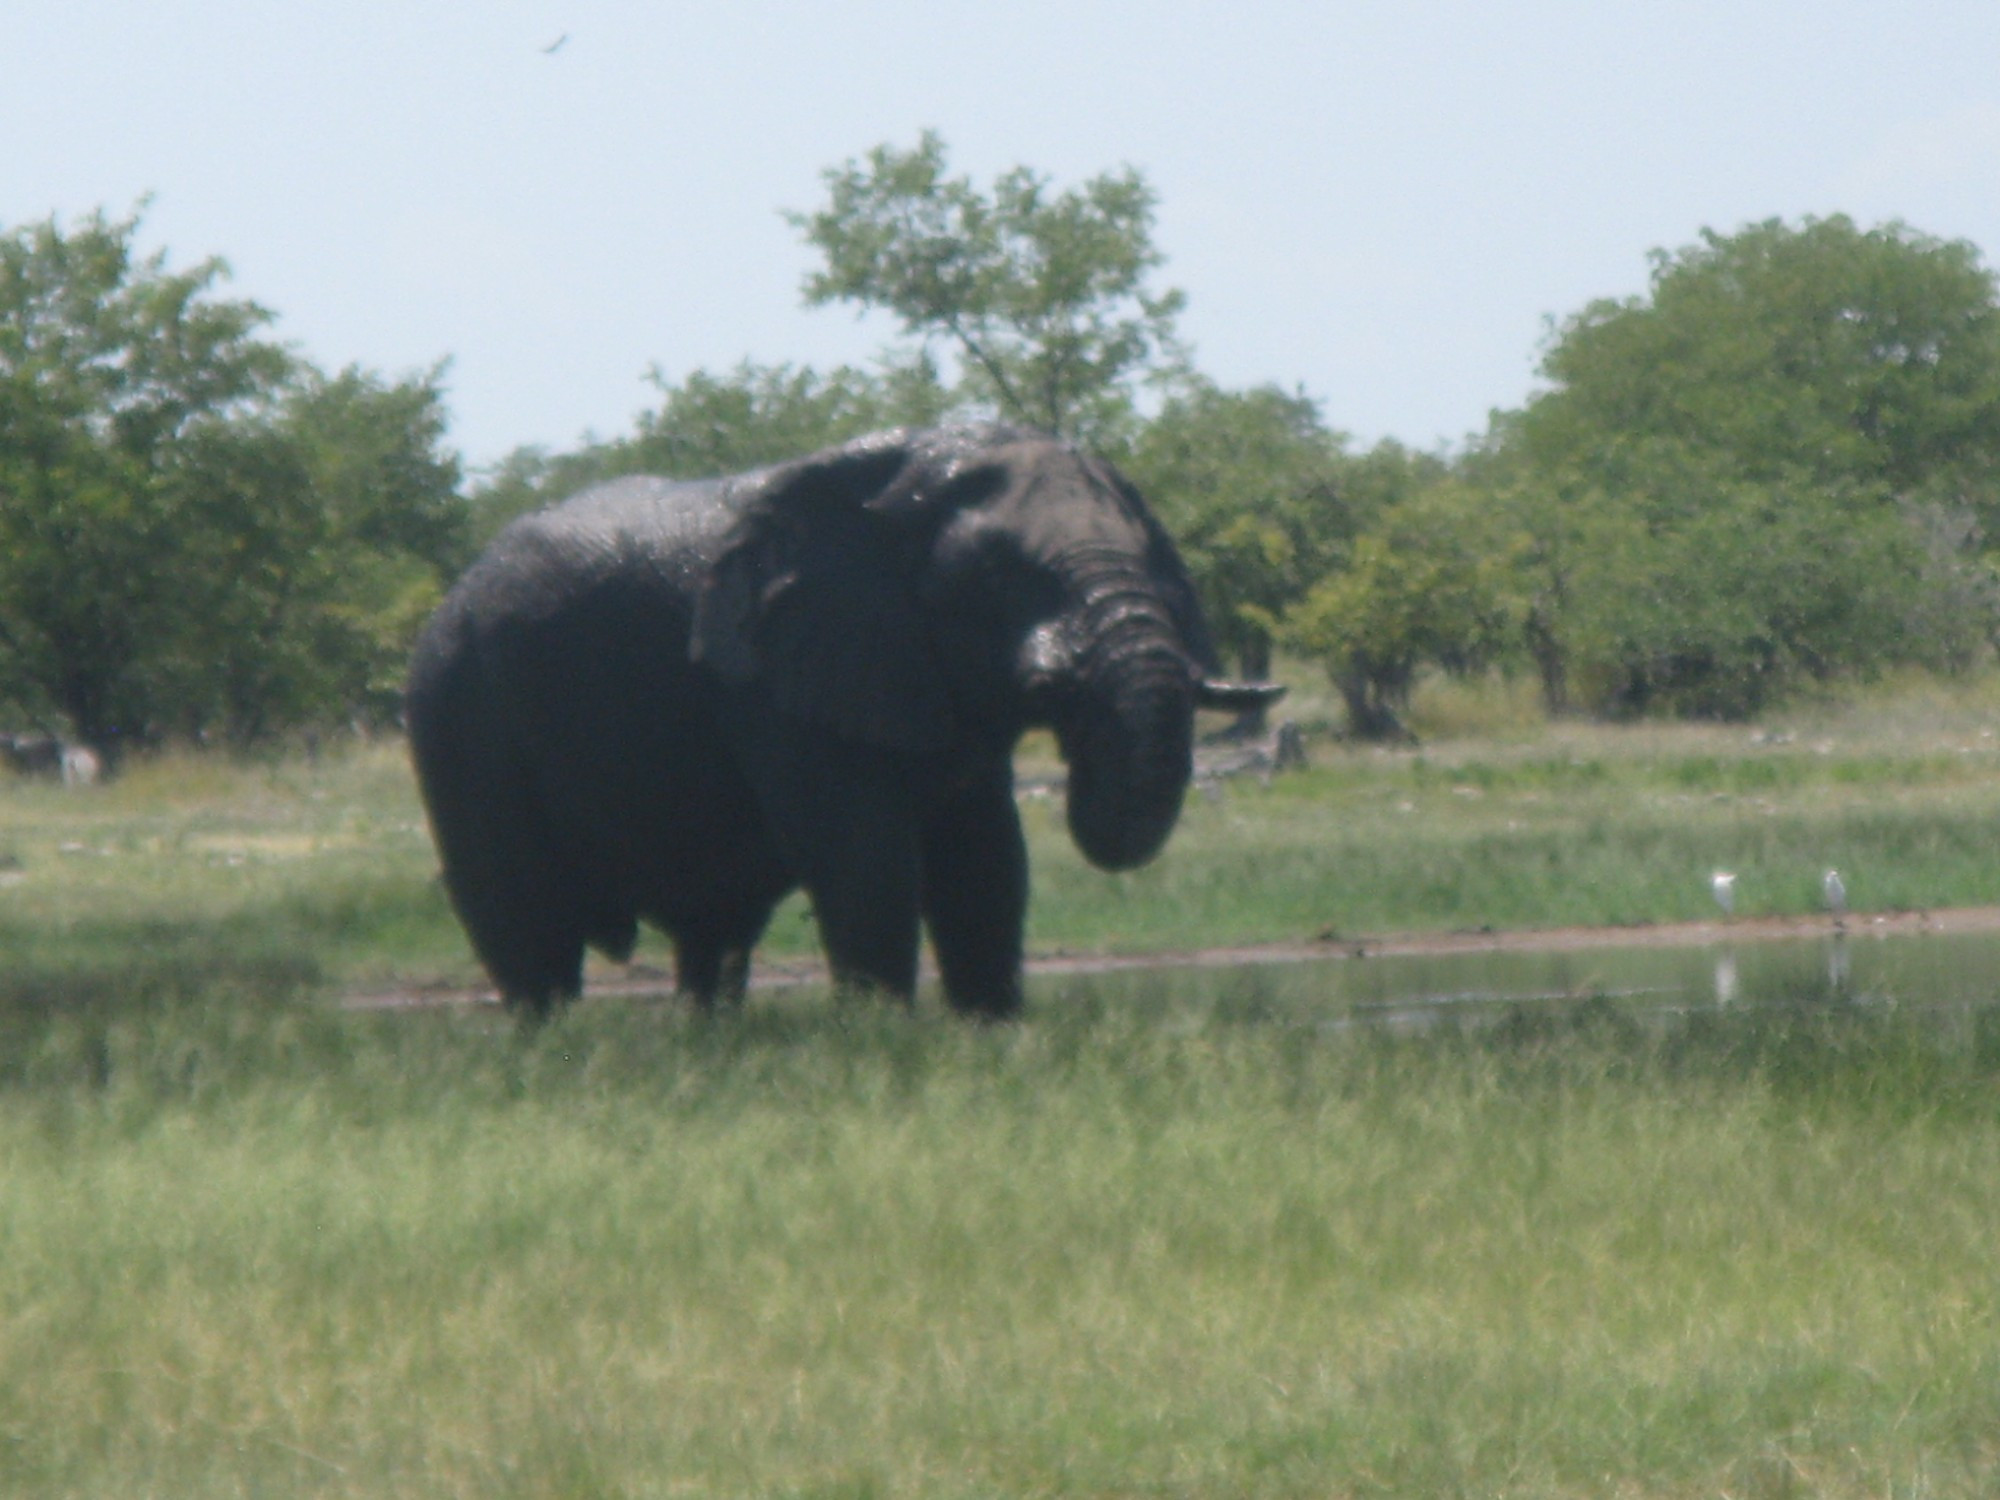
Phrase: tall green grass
(325,865)
(1200,1235)
(1158,1240)
(1581,828)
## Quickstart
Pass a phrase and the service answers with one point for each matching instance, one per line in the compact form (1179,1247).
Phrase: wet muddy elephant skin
(677,702)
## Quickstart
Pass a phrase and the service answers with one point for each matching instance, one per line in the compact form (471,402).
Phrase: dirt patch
(641,981)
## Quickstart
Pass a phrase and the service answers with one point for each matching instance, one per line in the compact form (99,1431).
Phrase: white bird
(1723,884)
(1835,891)
(80,766)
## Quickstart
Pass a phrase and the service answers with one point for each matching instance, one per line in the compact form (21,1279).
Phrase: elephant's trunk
(1128,734)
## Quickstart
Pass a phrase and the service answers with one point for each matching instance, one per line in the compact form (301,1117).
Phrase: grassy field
(1141,1245)
(1171,1236)
(324,870)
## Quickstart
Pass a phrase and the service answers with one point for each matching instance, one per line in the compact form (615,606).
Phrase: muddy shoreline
(644,981)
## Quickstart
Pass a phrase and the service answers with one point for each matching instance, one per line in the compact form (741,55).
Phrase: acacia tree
(1041,296)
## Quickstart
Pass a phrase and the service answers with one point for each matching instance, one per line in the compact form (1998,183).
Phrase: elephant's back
(663,514)
(637,546)
(574,611)
(659,531)
(602,586)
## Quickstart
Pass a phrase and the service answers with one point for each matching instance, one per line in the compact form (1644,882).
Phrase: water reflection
(1837,964)
(1415,991)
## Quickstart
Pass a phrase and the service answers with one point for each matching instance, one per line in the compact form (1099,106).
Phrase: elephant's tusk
(1213,692)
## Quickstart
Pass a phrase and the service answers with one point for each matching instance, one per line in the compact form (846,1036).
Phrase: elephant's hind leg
(706,972)
(712,951)
(517,905)
(524,930)
(519,902)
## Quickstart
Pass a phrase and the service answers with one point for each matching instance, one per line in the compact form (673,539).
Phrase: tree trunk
(1369,713)
(1551,664)
(1253,723)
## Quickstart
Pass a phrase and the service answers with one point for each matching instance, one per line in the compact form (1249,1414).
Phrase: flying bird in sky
(556,45)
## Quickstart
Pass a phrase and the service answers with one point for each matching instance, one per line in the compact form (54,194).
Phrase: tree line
(1776,466)
(202,536)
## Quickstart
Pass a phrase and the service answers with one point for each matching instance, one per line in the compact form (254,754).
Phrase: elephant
(677,702)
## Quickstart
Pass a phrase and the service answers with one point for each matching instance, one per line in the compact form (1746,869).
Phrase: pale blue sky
(1380,201)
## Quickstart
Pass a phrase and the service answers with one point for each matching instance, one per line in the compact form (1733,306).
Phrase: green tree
(1292,538)
(1760,588)
(1822,350)
(1041,299)
(1763,471)
(711,424)
(323,533)
(1424,585)
(757,415)
(1569,548)
(197,531)
(1253,486)
(1042,296)
(108,363)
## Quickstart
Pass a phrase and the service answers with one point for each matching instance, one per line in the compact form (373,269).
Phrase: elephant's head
(931,591)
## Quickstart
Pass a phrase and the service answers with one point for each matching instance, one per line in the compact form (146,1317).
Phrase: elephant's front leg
(975,895)
(863,886)
(845,817)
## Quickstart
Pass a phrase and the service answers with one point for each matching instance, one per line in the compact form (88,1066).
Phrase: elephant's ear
(1170,574)
(810,600)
